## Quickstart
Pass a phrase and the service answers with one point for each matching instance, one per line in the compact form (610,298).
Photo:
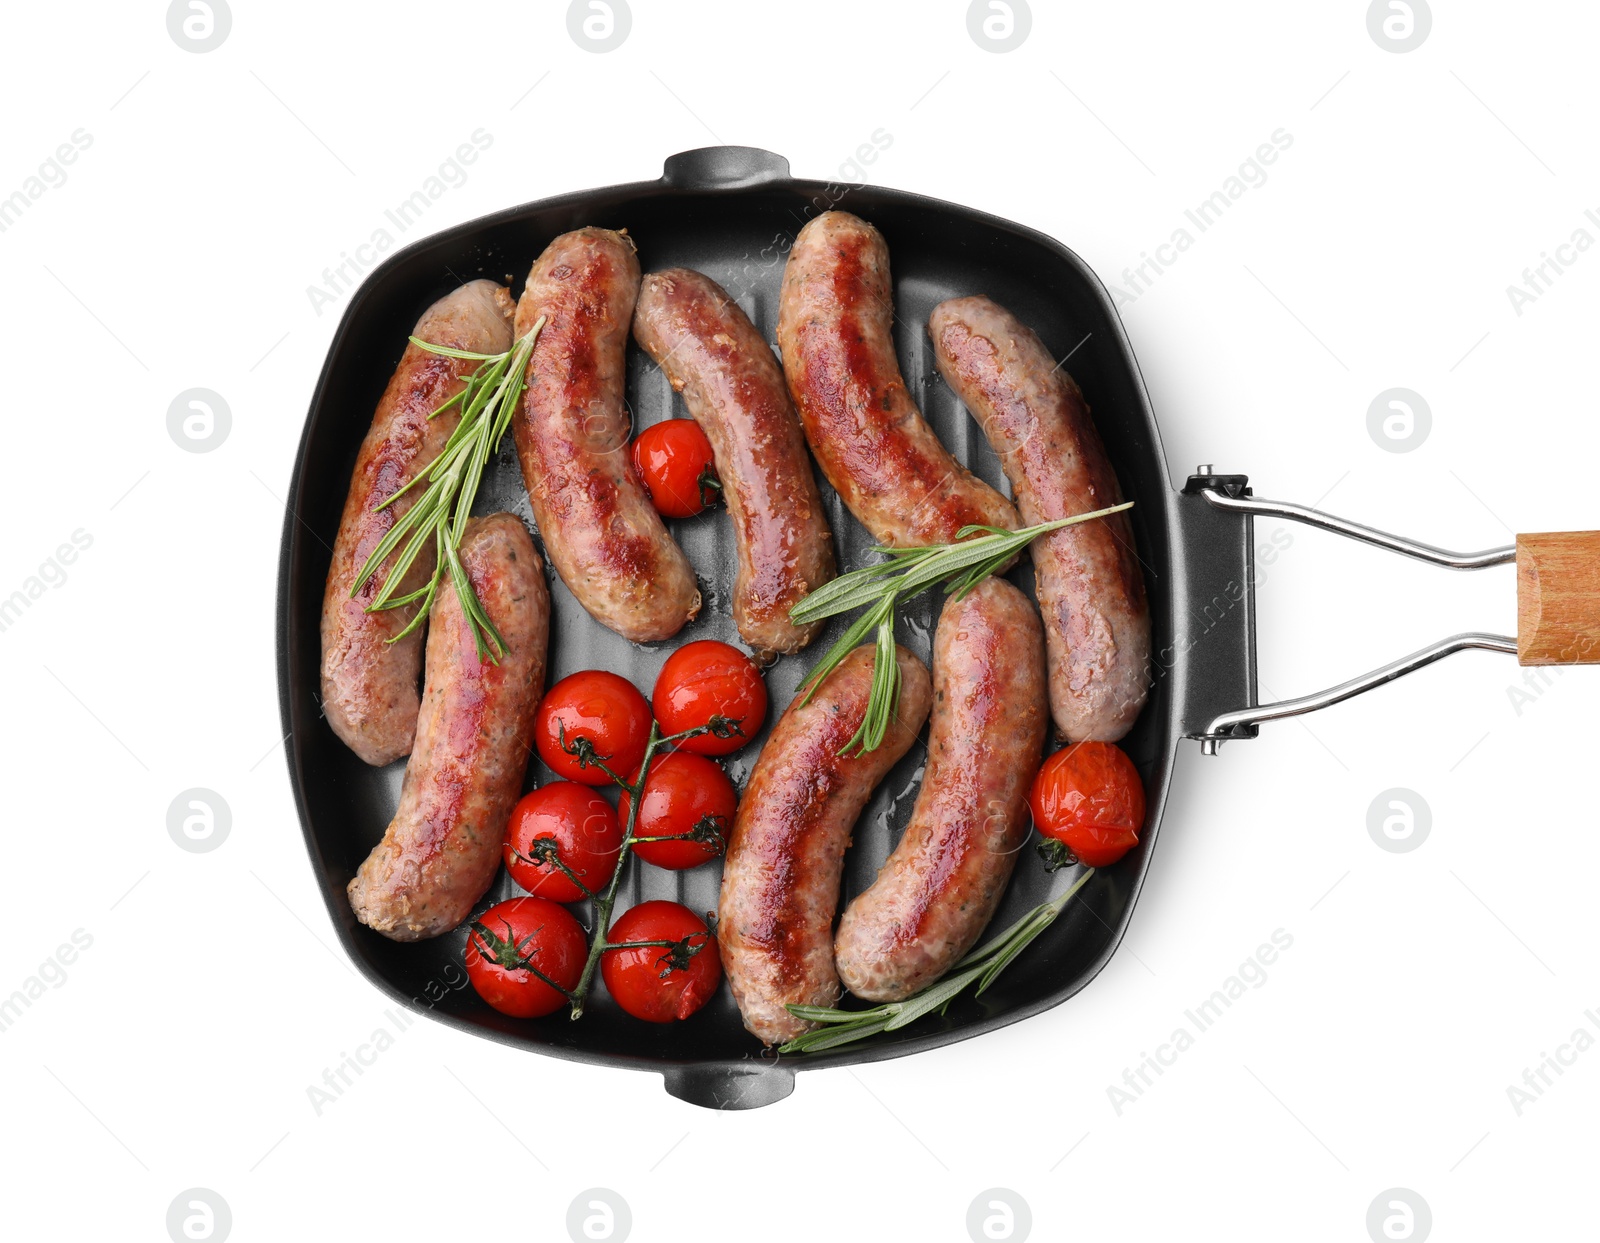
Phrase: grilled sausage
(605,538)
(369,685)
(939,889)
(834,319)
(780,883)
(1096,618)
(442,848)
(731,383)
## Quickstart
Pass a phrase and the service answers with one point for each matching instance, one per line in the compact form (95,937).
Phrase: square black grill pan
(732,213)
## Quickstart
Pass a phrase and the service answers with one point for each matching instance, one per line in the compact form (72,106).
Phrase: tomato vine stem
(583,751)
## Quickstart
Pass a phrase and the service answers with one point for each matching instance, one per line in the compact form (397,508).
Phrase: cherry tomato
(509,937)
(684,794)
(601,714)
(1089,798)
(569,822)
(704,679)
(674,464)
(659,983)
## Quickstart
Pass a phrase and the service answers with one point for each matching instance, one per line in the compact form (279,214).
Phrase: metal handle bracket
(1243,722)
(1354,530)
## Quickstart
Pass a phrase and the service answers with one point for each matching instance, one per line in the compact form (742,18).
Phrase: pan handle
(1226,725)
(1558,598)
(727,1085)
(1558,602)
(723,168)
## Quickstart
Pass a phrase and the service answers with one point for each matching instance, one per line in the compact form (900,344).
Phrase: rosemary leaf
(848,642)
(831,1037)
(846,592)
(428,590)
(884,698)
(826,1014)
(449,351)
(932,998)
(477,619)
(417,524)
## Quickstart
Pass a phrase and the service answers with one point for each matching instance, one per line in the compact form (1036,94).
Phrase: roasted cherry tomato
(512,936)
(660,983)
(599,715)
(688,797)
(707,679)
(566,822)
(1088,797)
(674,464)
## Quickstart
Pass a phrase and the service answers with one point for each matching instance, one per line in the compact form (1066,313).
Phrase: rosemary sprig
(488,401)
(882,587)
(841,1027)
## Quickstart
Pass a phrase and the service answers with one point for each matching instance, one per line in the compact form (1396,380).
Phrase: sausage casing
(369,685)
(1091,591)
(939,889)
(442,849)
(604,537)
(780,882)
(734,389)
(835,315)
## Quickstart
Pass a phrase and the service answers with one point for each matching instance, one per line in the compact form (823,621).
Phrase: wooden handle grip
(1558,598)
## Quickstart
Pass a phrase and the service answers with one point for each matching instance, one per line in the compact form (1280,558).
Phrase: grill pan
(732,213)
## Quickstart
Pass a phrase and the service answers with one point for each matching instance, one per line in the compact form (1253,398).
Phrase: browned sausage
(939,889)
(443,846)
(1096,619)
(731,383)
(605,538)
(369,685)
(834,319)
(780,883)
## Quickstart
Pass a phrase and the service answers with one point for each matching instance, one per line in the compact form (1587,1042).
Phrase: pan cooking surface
(739,237)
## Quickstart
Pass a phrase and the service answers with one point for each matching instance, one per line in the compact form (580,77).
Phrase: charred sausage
(605,538)
(780,883)
(442,848)
(369,685)
(1091,592)
(834,318)
(731,383)
(939,889)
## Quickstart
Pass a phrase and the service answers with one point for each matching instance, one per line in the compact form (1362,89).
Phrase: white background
(179,1049)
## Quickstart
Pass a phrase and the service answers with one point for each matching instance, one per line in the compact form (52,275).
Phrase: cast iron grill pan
(731,213)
